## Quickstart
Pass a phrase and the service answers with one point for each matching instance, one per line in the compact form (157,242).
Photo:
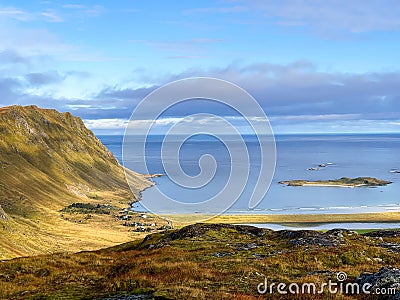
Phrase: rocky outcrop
(197,230)
(385,278)
(331,238)
(383,233)
(306,238)
(393,247)
(200,230)
(3,215)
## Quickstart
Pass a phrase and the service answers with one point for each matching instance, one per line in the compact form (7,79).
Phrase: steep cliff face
(49,160)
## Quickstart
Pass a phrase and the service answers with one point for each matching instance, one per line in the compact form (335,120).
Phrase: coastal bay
(349,155)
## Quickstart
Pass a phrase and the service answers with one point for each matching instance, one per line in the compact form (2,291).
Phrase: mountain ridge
(49,160)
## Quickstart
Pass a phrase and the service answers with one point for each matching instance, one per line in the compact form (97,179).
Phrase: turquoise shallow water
(349,156)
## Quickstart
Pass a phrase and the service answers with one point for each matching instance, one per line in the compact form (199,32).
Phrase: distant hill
(342,182)
(49,160)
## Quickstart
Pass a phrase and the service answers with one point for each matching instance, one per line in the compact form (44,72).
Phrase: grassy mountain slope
(49,160)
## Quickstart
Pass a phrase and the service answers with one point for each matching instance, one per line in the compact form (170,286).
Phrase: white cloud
(31,41)
(52,17)
(321,117)
(197,123)
(106,124)
(215,125)
(73,6)
(81,9)
(14,13)
(224,10)
(191,48)
(331,16)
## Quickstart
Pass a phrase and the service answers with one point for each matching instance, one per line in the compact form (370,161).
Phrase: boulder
(386,277)
(3,215)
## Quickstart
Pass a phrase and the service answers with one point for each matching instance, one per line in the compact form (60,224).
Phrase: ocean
(345,155)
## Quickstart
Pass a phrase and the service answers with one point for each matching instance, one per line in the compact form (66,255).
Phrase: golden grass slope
(49,160)
(202,261)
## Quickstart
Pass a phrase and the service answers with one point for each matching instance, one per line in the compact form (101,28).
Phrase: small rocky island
(342,182)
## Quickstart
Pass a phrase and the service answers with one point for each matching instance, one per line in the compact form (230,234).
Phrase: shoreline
(342,182)
(377,217)
(335,185)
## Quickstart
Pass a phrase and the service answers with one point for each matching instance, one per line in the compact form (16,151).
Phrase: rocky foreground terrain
(213,261)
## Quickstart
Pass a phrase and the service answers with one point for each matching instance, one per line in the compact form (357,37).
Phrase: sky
(313,66)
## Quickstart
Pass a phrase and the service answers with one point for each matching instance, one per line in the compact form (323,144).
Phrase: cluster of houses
(124,215)
(140,227)
(127,216)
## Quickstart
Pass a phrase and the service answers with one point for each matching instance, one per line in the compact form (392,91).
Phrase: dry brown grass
(187,268)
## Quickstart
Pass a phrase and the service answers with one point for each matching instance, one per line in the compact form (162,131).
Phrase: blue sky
(314,66)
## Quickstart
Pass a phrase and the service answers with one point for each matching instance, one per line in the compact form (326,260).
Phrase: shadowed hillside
(49,160)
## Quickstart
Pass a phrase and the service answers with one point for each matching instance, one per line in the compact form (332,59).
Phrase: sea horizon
(350,155)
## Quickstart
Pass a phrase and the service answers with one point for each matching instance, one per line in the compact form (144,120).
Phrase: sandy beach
(384,217)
